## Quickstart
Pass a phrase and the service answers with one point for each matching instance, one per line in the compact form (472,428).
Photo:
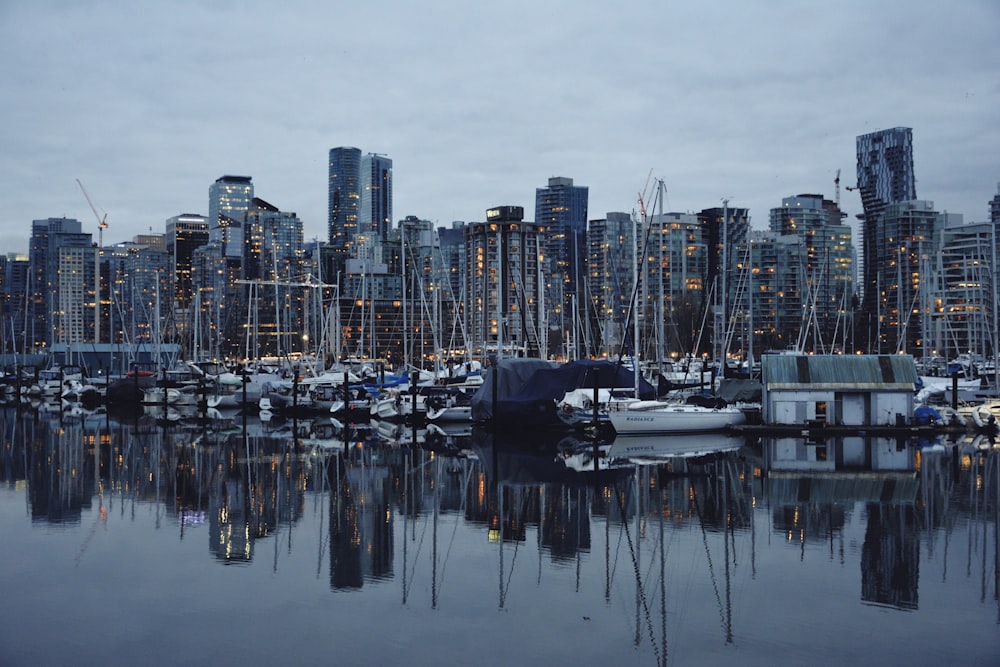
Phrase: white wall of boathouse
(800,406)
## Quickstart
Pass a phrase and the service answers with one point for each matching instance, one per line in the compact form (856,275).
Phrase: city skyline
(479,108)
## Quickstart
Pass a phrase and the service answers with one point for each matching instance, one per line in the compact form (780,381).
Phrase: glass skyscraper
(344,200)
(229,199)
(561,214)
(885,176)
(376,195)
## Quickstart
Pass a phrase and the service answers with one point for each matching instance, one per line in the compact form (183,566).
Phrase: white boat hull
(674,419)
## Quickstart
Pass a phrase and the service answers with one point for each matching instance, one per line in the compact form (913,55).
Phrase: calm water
(126,541)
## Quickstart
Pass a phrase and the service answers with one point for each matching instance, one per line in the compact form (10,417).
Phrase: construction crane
(836,183)
(102,224)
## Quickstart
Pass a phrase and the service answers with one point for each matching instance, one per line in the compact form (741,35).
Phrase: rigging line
(521,513)
(458,516)
(630,313)
(638,580)
(416,557)
(711,567)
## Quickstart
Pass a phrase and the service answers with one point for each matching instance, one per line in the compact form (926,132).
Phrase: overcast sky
(480,103)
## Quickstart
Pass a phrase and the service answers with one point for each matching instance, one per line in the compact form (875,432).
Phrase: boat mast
(660,304)
(500,290)
(635,314)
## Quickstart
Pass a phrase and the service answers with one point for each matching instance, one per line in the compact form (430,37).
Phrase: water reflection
(391,496)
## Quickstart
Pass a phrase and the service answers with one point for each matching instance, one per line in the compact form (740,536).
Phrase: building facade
(561,215)
(504,310)
(885,176)
(376,195)
(343,196)
(229,199)
(611,257)
(825,268)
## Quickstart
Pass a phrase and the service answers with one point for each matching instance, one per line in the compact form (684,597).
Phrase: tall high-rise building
(229,199)
(344,196)
(825,268)
(960,309)
(273,261)
(185,232)
(611,258)
(885,176)
(561,214)
(908,237)
(995,207)
(671,296)
(61,295)
(723,230)
(376,195)
(16,279)
(504,284)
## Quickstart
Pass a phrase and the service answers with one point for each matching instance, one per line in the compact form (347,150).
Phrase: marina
(242,540)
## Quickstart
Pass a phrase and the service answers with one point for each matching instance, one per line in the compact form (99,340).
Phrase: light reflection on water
(379,543)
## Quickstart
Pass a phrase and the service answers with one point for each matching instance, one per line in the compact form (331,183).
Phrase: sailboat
(649,417)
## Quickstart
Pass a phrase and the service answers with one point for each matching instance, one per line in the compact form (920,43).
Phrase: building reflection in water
(249,481)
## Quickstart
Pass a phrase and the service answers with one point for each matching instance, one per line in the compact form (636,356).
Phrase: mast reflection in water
(380,543)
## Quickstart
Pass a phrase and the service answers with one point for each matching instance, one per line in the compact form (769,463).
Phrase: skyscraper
(185,232)
(885,176)
(273,260)
(344,196)
(824,270)
(376,195)
(502,278)
(61,294)
(561,214)
(229,200)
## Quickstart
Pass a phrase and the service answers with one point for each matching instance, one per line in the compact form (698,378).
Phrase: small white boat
(638,417)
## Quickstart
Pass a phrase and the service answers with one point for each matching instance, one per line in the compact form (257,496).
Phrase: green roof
(840,369)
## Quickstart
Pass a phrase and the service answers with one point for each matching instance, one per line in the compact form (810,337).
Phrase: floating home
(838,390)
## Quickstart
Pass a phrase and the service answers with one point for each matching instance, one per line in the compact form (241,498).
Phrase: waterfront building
(370,303)
(909,235)
(139,288)
(217,305)
(995,207)
(14,299)
(184,233)
(838,390)
(344,195)
(959,311)
(375,213)
(450,269)
(611,259)
(344,203)
(561,215)
(885,176)
(61,293)
(504,309)
(767,308)
(672,295)
(273,286)
(723,230)
(229,199)
(825,268)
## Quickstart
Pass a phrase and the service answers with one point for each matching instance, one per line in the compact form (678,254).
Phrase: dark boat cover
(528,389)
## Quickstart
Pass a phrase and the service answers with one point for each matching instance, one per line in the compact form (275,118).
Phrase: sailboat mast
(661,303)
(635,314)
(500,290)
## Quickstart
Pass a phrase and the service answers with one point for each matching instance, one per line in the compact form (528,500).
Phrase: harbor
(249,540)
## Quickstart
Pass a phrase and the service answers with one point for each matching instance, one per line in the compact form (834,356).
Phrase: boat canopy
(527,389)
